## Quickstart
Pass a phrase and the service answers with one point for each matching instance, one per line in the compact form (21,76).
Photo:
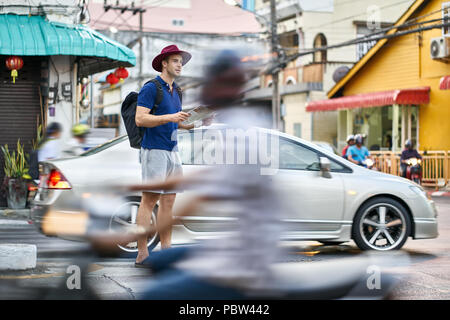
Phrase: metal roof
(23,35)
(373,99)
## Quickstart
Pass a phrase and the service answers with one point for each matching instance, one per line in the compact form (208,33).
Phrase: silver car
(336,200)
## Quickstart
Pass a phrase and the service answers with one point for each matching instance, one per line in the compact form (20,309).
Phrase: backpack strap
(180,93)
(159,94)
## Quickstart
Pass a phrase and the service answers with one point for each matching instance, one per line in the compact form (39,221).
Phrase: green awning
(23,35)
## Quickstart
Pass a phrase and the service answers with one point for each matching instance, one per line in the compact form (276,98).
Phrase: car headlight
(420,191)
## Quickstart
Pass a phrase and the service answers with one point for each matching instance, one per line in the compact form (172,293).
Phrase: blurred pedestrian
(388,142)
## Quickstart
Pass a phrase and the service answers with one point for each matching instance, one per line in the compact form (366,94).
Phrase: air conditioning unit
(440,48)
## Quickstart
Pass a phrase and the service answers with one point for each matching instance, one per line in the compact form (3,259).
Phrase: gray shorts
(158,165)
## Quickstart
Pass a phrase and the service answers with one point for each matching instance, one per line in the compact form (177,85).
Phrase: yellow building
(397,90)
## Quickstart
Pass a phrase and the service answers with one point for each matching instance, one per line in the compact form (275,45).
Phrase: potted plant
(16,176)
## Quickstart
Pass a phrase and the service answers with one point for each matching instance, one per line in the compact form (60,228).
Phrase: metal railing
(435,166)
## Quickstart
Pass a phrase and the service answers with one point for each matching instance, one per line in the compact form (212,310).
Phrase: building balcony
(266,93)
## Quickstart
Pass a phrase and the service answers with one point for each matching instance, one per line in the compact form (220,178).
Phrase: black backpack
(128,112)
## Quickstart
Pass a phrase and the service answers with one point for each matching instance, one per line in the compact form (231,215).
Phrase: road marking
(34,276)
(91,268)
(13,222)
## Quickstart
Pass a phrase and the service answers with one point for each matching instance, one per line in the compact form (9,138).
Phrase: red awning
(373,99)
(445,83)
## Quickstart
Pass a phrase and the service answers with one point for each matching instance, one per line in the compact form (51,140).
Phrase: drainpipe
(141,50)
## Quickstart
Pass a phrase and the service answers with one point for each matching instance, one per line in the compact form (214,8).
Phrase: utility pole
(141,33)
(275,85)
(135,10)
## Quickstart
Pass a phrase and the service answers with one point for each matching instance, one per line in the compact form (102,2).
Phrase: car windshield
(104,146)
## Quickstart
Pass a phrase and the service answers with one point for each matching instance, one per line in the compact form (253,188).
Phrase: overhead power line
(283,62)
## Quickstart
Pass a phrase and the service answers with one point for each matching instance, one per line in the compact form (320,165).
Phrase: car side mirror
(325,167)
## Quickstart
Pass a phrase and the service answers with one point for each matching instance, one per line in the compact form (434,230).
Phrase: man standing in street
(159,156)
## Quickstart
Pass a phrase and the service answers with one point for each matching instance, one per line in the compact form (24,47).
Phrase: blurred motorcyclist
(76,145)
(50,146)
(408,153)
(350,142)
(358,153)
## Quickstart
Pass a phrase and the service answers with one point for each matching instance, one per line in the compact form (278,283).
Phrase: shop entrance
(385,128)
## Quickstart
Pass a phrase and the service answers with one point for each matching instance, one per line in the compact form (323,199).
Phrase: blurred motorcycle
(369,164)
(414,170)
(364,276)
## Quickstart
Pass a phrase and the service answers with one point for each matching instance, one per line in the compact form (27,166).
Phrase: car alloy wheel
(124,218)
(382,224)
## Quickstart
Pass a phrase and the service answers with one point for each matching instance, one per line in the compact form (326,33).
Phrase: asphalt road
(424,275)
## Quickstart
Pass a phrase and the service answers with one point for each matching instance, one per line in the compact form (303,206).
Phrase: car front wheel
(124,220)
(381,224)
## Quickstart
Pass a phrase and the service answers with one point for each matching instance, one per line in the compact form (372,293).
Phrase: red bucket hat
(168,51)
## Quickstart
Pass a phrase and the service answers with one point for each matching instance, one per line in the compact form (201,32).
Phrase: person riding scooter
(77,145)
(358,154)
(350,142)
(406,160)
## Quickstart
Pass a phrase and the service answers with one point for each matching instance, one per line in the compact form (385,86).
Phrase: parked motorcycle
(414,170)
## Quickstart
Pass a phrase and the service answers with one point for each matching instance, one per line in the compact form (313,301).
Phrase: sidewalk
(14,216)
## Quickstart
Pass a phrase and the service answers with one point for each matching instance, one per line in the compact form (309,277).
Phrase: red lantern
(112,79)
(14,64)
(121,73)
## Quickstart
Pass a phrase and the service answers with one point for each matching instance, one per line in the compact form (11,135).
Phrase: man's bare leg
(143,219)
(165,215)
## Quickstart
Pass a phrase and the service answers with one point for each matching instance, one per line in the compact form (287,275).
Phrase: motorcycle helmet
(359,139)
(350,137)
(80,130)
(53,128)
(408,144)
(225,80)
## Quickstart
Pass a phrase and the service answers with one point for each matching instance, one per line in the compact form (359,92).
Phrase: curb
(6,222)
(14,214)
(438,193)
(17,256)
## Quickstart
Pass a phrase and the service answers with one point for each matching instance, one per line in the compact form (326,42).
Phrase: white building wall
(61,72)
(64,11)
(295,108)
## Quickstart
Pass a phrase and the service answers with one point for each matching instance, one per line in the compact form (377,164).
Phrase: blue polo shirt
(357,154)
(162,137)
